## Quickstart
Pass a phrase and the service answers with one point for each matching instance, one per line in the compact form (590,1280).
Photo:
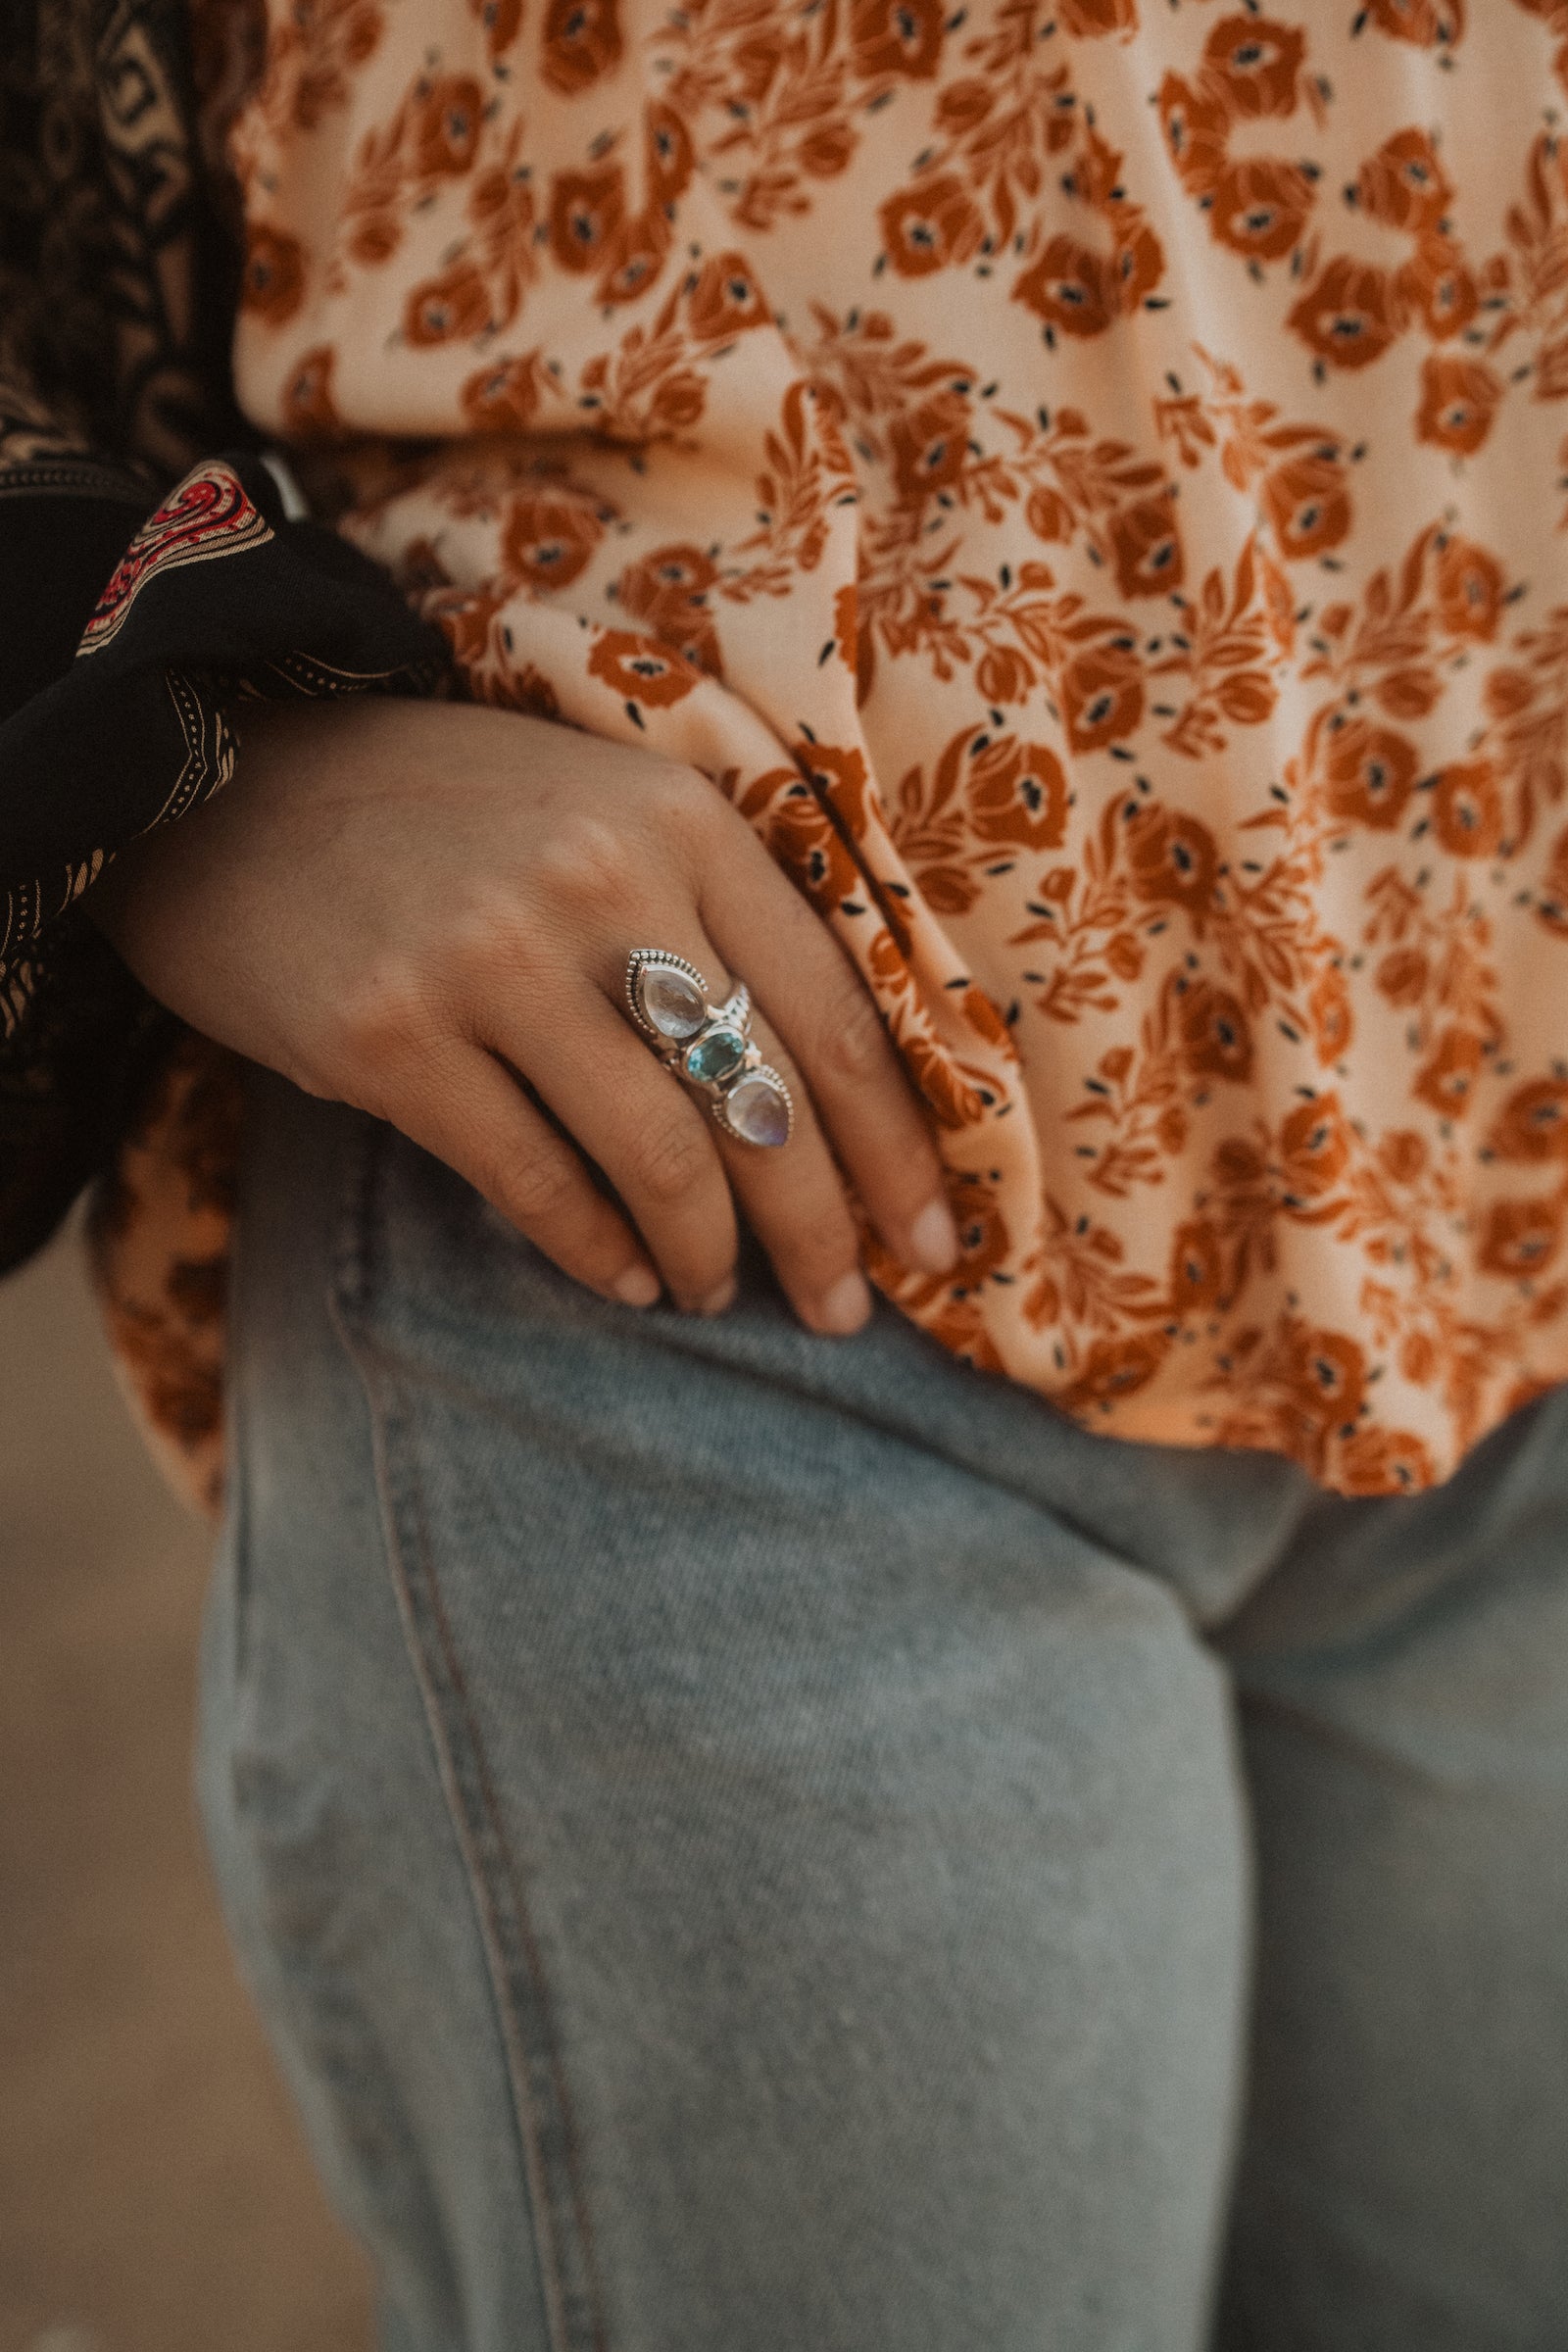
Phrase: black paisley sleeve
(135,617)
(217,598)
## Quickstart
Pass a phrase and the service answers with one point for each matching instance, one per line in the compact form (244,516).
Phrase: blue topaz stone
(758,1108)
(671,1001)
(716,1056)
(711,1044)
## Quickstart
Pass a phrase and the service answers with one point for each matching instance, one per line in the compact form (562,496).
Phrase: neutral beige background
(154,2194)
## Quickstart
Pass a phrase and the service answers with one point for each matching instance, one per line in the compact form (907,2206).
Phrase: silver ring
(710,1046)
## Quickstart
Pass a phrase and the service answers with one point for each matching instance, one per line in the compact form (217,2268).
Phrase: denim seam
(542,2109)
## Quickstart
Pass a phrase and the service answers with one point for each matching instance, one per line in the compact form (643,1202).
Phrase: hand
(426,910)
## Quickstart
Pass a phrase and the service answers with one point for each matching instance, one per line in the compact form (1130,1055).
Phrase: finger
(638,1123)
(814,998)
(792,1196)
(795,1203)
(471,1113)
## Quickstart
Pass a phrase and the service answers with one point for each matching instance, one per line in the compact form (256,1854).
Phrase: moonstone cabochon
(671,1001)
(758,1108)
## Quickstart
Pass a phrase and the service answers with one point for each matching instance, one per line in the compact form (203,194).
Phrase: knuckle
(821,1245)
(383,1014)
(587,862)
(671,1161)
(852,1044)
(677,798)
(486,935)
(539,1189)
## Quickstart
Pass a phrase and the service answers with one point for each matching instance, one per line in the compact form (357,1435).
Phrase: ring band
(710,1046)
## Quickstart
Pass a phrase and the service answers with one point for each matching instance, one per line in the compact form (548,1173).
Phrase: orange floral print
(501,20)
(1113,1369)
(1092,19)
(726,300)
(1172,857)
(988,795)
(433,139)
(504,398)
(1458,398)
(273,281)
(452,308)
(1195,122)
(1521,1238)
(668,590)
(1440,287)
(311,61)
(1148,549)
(1348,315)
(581,41)
(1532,1124)
(1467,808)
(1470,590)
(547,540)
(444,130)
(933,225)
(502,232)
(1422,23)
(1102,695)
(586,207)
(1371,773)
(1017,795)
(1259,207)
(1068,287)
(1086,481)
(1216,1037)
(804,838)
(896,36)
(670,152)
(310,412)
(1446,1080)
(1254,63)
(641,669)
(1308,503)
(1403,184)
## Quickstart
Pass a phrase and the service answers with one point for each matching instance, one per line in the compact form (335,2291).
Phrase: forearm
(133,637)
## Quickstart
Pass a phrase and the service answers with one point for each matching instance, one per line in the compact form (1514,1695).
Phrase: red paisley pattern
(1087,482)
(206,515)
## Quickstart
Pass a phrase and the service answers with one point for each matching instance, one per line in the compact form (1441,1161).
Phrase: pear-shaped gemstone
(671,1000)
(714,1055)
(758,1108)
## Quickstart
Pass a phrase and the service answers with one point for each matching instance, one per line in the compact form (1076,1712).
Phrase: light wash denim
(748,1842)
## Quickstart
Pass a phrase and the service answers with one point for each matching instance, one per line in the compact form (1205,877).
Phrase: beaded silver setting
(708,1046)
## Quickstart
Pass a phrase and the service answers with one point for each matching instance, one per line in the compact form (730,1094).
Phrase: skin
(413,907)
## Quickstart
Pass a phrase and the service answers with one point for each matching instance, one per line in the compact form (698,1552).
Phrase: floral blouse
(1087,482)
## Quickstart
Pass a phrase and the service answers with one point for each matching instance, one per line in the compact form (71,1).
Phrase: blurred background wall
(154,2191)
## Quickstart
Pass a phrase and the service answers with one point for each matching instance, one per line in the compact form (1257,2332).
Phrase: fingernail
(845,1307)
(719,1300)
(639,1286)
(934,1238)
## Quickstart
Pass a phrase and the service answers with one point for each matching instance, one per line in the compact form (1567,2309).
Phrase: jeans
(748,1842)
